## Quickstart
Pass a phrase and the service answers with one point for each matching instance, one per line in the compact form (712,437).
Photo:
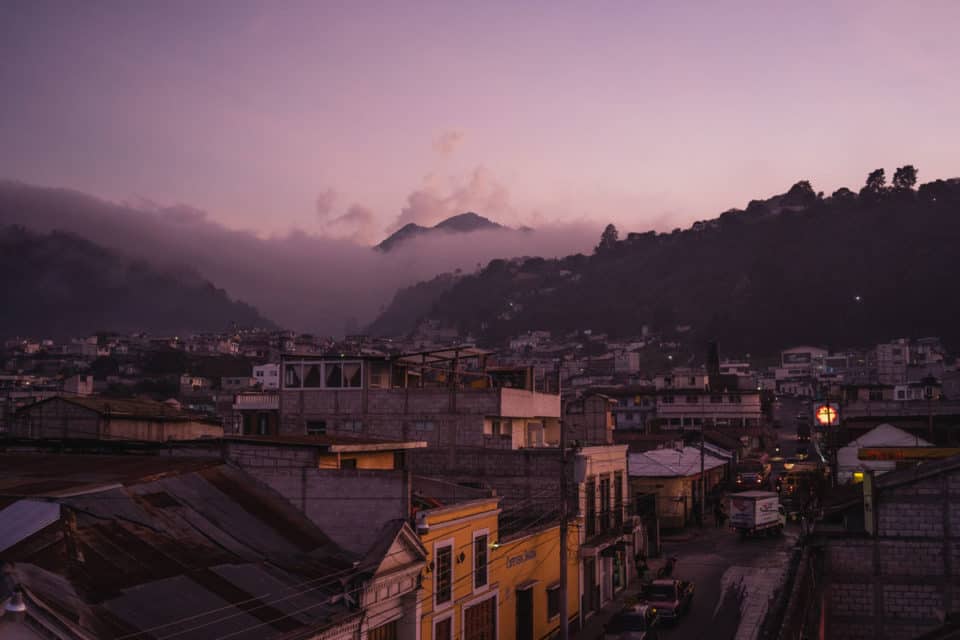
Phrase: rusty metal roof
(24,518)
(30,475)
(199,551)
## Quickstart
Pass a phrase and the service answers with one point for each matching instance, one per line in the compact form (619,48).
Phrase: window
(443,574)
(716,399)
(735,398)
(443,629)
(480,561)
(692,399)
(480,620)
(334,375)
(351,375)
(291,376)
(553,601)
(618,498)
(384,632)
(876,395)
(348,463)
(693,381)
(590,515)
(604,503)
(311,376)
(423,425)
(667,399)
(316,427)
(498,427)
(355,426)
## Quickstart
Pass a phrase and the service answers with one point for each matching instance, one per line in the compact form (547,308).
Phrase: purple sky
(347,118)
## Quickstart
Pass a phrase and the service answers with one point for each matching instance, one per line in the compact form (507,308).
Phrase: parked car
(635,622)
(670,597)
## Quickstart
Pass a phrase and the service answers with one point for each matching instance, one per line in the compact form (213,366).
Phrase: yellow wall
(534,558)
(458,523)
(365,459)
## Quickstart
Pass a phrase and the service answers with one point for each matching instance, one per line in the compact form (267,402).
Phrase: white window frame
(473,560)
(443,544)
(438,619)
(302,366)
(475,601)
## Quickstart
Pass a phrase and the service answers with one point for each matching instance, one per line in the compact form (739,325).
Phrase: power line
(468,575)
(329,578)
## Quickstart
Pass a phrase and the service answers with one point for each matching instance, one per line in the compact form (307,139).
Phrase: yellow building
(460,596)
(479,587)
(528,569)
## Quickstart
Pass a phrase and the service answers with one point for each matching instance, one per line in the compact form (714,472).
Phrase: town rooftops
(432,356)
(55,475)
(123,408)
(193,554)
(331,443)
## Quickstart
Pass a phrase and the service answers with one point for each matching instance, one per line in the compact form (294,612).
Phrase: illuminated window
(858,476)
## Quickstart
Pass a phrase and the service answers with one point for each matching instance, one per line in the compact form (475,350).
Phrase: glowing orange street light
(827,415)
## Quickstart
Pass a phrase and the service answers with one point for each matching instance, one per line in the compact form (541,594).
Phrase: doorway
(525,614)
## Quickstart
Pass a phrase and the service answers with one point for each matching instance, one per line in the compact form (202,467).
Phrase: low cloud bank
(301,281)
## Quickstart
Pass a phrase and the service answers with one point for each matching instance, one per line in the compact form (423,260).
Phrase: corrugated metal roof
(207,541)
(670,463)
(24,518)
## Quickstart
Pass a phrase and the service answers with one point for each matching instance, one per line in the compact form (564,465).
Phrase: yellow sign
(827,415)
(907,453)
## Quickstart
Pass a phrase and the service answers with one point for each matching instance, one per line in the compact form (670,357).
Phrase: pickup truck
(757,511)
(670,597)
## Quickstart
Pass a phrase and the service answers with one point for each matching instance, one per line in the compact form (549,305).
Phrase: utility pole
(564,616)
(703,478)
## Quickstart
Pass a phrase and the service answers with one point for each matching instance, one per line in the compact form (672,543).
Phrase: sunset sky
(351,118)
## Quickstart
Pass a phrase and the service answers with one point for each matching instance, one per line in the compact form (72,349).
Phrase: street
(721,565)
(716,559)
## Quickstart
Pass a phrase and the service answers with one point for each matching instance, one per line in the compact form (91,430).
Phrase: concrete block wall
(524,478)
(397,414)
(898,583)
(349,505)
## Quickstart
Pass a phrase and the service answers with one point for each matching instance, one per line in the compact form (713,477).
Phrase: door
(590,592)
(525,614)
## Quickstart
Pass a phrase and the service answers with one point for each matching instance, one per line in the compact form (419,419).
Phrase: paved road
(715,560)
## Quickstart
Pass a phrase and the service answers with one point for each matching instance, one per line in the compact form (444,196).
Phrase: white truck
(753,512)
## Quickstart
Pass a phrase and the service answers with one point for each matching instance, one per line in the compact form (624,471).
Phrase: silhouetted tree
(875,186)
(608,240)
(905,178)
(801,193)
(844,195)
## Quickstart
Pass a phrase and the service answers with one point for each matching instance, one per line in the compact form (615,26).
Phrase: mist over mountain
(796,268)
(61,285)
(301,281)
(464,223)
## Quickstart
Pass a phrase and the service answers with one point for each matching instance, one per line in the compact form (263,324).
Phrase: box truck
(753,512)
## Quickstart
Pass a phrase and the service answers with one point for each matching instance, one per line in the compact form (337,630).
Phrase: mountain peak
(461,223)
(466,222)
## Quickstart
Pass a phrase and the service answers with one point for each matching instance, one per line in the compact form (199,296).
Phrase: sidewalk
(593,628)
